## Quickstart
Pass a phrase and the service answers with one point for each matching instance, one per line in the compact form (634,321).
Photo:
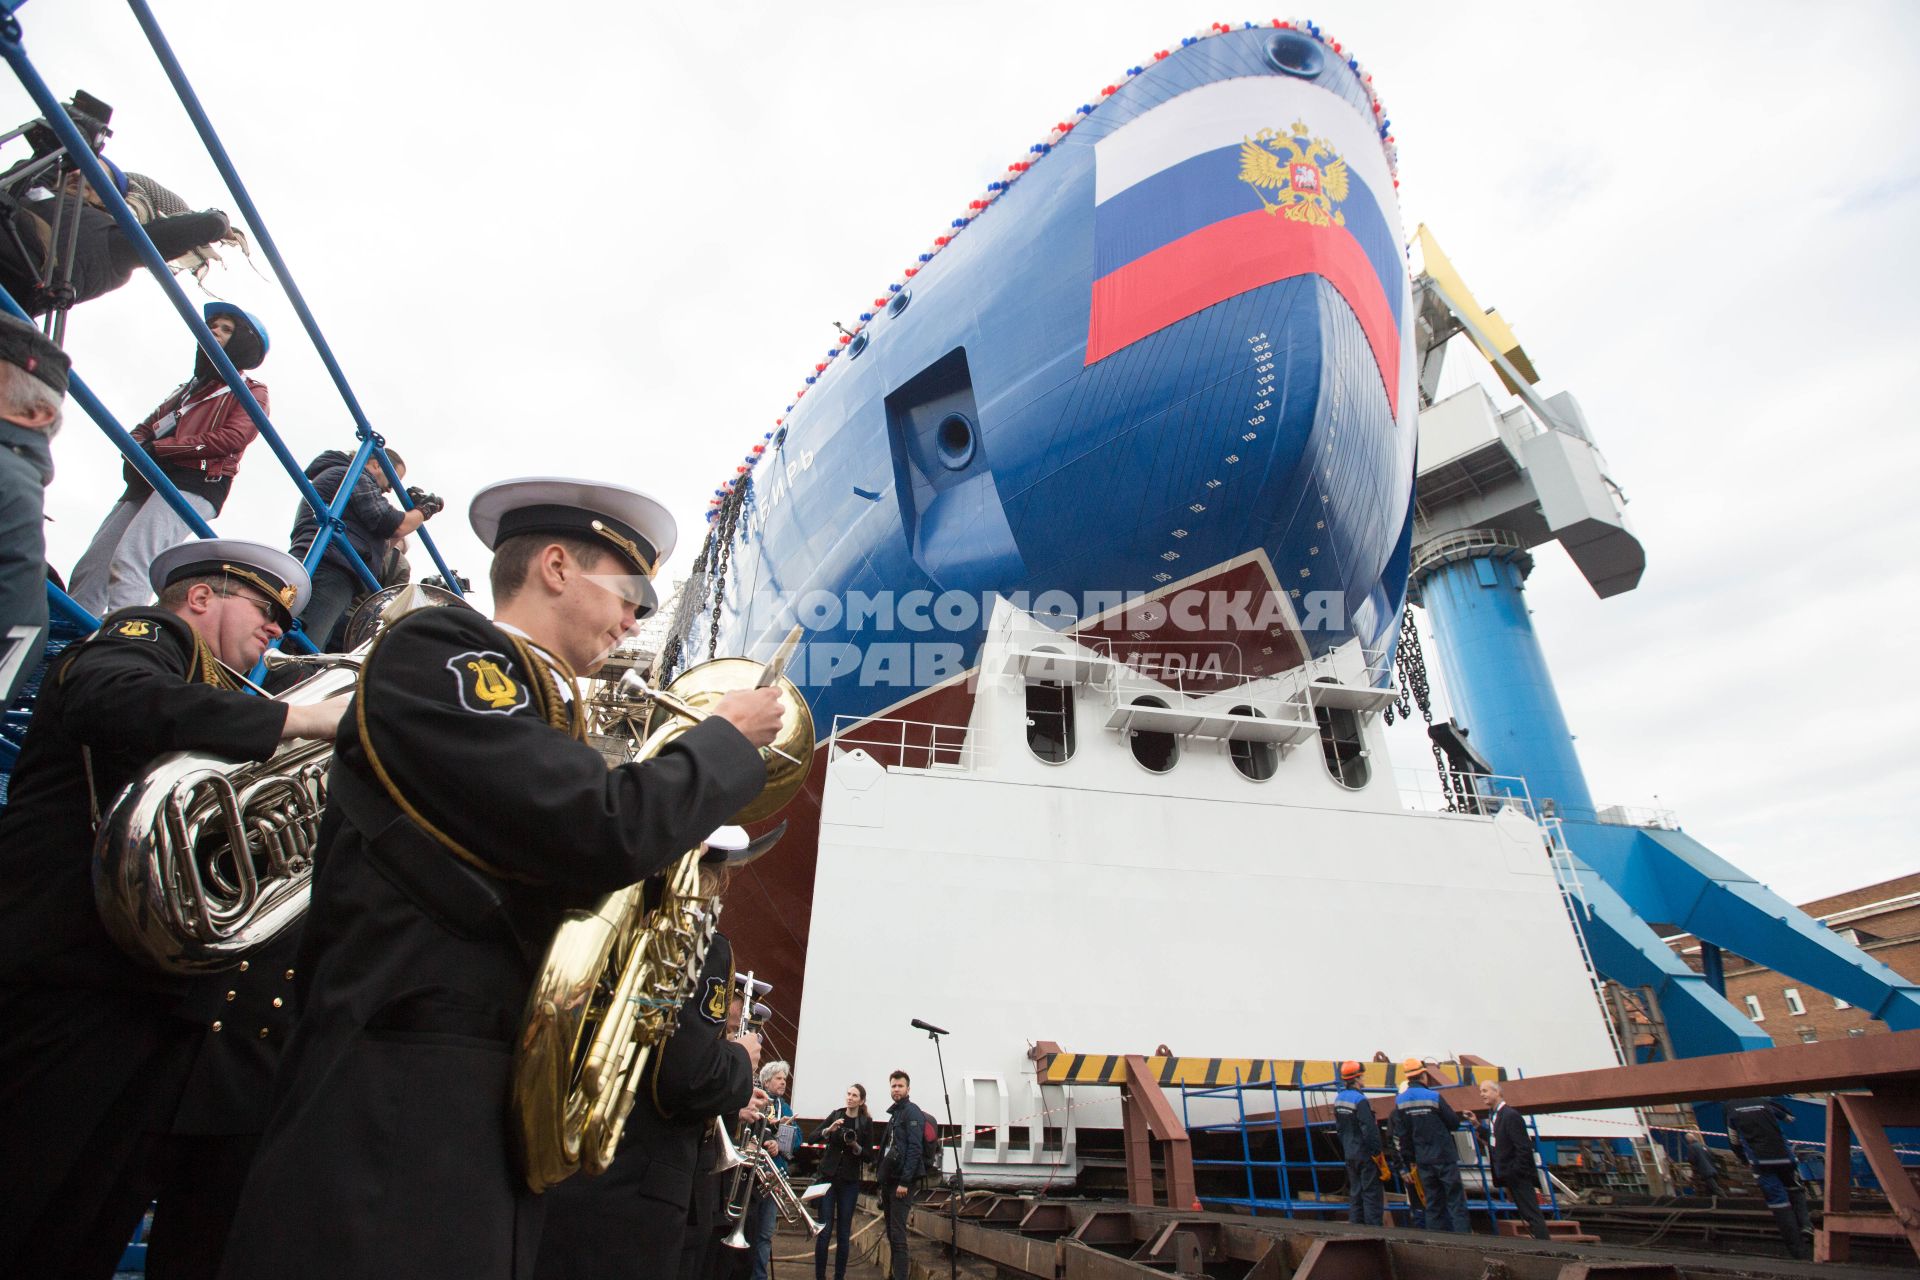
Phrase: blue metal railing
(1298,1188)
(331,525)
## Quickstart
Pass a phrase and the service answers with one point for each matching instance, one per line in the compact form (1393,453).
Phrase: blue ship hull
(963,445)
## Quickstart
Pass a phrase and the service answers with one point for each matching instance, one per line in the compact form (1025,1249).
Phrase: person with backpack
(847,1137)
(901,1163)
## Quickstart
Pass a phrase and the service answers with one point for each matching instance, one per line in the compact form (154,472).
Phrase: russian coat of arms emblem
(1306,177)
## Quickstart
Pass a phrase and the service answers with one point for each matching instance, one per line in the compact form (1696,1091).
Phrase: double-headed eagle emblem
(1307,177)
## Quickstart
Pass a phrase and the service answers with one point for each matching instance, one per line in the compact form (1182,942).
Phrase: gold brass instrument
(202,860)
(614,977)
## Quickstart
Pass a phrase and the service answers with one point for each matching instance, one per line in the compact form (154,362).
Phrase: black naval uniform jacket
(91,1040)
(638,1210)
(460,824)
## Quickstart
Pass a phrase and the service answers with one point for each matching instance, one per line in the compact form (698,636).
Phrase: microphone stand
(959,1178)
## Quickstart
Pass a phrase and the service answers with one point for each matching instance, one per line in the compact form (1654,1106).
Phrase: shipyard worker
(372,523)
(845,1137)
(103,256)
(595,1227)
(1706,1173)
(125,1084)
(1360,1145)
(33,387)
(466,815)
(1424,1125)
(1510,1157)
(902,1158)
(195,436)
(1753,1128)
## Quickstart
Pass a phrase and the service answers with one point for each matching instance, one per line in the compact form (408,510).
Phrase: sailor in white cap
(660,1197)
(466,814)
(110,1065)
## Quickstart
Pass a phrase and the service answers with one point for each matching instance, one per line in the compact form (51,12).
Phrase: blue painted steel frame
(1500,687)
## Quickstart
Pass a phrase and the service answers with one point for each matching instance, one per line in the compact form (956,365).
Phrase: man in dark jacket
(1510,1157)
(104,258)
(123,1083)
(1424,1125)
(901,1162)
(467,816)
(1706,1173)
(1753,1127)
(372,525)
(33,385)
(1360,1145)
(196,435)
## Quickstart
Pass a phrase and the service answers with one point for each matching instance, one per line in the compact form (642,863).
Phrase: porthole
(1295,54)
(899,302)
(1157,752)
(858,345)
(954,439)
(1050,721)
(1256,760)
(1343,746)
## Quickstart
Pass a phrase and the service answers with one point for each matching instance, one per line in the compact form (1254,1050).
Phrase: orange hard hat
(1349,1069)
(1411,1066)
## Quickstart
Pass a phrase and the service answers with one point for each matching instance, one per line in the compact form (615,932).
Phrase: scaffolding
(69,619)
(1314,1182)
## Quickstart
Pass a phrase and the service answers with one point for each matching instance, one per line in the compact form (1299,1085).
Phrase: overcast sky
(610,239)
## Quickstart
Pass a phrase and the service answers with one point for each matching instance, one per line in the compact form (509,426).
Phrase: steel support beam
(1145,1115)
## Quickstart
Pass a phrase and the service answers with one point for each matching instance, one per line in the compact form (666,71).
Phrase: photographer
(374,526)
(103,257)
(847,1137)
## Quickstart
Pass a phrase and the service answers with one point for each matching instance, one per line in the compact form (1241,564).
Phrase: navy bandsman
(466,814)
(124,1084)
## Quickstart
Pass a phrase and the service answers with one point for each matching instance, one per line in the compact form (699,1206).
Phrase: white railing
(1422,791)
(915,746)
(1632,815)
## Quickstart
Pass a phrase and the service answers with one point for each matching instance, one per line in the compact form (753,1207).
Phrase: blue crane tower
(1493,487)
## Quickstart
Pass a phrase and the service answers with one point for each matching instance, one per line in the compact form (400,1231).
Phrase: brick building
(1881,919)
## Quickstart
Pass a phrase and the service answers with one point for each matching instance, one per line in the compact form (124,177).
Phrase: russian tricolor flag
(1177,229)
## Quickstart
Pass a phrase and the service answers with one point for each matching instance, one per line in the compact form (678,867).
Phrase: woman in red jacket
(196,436)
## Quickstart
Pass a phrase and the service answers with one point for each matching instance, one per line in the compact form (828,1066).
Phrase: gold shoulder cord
(569,719)
(393,791)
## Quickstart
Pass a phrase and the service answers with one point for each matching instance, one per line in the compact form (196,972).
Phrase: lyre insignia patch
(484,685)
(135,629)
(713,1005)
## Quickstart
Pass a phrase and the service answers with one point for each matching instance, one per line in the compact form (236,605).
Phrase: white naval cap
(272,572)
(734,847)
(636,528)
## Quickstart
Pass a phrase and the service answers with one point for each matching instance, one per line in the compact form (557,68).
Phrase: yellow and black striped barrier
(1281,1073)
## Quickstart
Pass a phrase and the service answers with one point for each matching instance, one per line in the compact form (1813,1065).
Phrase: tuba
(202,860)
(609,989)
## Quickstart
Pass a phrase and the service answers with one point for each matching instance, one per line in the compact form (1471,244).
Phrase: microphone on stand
(929,1028)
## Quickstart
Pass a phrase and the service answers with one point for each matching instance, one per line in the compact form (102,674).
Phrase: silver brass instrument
(203,860)
(613,979)
(757,1174)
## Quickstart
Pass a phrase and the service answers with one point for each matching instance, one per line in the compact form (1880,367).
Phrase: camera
(466,584)
(428,504)
(89,115)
